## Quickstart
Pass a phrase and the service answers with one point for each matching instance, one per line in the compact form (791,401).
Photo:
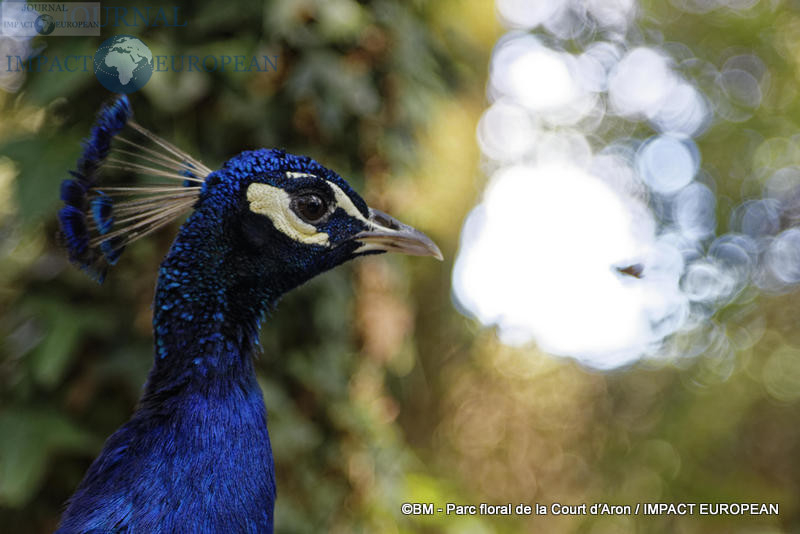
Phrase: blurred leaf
(63,331)
(44,163)
(55,80)
(30,438)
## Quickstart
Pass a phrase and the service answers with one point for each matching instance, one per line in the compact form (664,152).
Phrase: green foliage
(30,438)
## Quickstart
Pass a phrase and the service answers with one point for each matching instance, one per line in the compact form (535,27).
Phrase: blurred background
(615,185)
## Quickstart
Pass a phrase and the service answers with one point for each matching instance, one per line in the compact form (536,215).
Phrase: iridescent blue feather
(102,207)
(74,192)
(100,215)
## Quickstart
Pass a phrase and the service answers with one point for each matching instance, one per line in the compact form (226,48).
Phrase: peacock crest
(103,212)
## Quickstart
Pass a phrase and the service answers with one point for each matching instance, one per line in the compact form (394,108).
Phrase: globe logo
(44,24)
(123,64)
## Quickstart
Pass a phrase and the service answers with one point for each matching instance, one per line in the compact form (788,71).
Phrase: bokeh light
(598,235)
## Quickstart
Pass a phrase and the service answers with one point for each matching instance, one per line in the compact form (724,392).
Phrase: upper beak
(390,235)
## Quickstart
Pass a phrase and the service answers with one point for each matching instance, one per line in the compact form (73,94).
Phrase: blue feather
(102,207)
(112,249)
(73,225)
(188,173)
(73,193)
(111,119)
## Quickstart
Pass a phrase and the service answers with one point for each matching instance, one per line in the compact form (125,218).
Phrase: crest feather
(105,207)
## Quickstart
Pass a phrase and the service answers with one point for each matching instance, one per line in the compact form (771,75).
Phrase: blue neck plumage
(206,313)
(197,451)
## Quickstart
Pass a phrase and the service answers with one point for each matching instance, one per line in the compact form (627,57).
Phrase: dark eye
(310,207)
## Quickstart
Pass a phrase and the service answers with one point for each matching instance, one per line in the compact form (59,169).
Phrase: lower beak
(390,235)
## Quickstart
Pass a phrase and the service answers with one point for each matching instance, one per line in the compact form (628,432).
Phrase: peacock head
(263,212)
(289,214)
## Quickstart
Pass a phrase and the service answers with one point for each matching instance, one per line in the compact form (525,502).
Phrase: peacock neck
(196,451)
(205,314)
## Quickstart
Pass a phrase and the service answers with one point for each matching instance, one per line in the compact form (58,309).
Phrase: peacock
(195,456)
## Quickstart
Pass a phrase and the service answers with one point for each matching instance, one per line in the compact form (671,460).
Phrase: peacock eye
(310,207)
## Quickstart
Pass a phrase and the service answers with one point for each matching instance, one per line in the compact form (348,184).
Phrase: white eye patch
(344,202)
(275,203)
(292,174)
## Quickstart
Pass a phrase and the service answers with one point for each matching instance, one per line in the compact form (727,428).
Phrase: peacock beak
(390,235)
